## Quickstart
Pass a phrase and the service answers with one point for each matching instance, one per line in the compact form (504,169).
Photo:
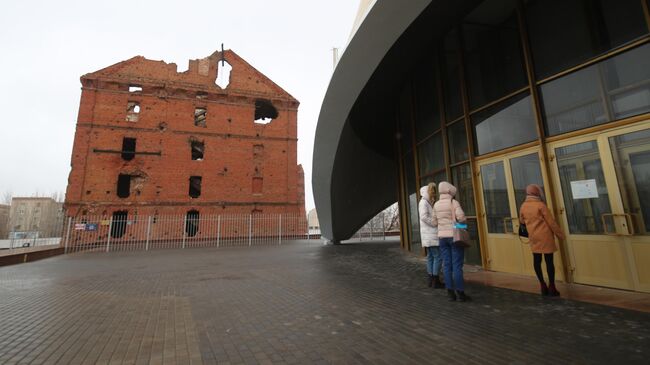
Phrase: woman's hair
(431,189)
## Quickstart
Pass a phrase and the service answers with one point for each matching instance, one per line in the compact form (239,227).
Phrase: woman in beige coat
(542,230)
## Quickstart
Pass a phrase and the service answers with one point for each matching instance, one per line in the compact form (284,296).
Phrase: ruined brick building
(153,141)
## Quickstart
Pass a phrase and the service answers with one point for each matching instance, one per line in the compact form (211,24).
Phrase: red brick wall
(166,125)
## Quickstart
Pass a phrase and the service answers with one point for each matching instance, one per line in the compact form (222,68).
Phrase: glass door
(503,188)
(604,182)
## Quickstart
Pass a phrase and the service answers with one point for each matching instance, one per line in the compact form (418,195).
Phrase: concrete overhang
(354,167)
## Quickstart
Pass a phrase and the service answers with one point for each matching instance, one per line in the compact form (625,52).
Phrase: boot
(462,297)
(552,291)
(543,288)
(430,279)
(437,284)
(451,295)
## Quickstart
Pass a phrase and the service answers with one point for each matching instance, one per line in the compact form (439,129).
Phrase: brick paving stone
(294,304)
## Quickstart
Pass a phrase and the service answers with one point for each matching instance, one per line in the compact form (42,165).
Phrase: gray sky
(47,45)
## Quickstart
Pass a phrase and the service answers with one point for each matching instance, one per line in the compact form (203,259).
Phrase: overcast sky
(46,46)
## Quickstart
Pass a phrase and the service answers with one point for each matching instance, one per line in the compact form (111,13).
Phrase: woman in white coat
(429,235)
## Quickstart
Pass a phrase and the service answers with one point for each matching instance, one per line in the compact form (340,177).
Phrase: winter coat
(540,225)
(442,210)
(428,232)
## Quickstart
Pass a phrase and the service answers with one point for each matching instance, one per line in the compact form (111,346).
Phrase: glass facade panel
(405,115)
(458,149)
(505,125)
(461,178)
(631,154)
(493,53)
(427,110)
(431,155)
(495,195)
(525,170)
(473,252)
(451,76)
(436,178)
(576,163)
(564,33)
(612,89)
(412,201)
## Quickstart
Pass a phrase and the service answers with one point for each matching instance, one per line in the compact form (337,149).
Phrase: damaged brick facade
(153,141)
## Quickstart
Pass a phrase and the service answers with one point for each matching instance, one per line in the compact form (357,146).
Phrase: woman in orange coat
(542,230)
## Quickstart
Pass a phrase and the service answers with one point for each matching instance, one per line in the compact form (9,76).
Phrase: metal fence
(49,233)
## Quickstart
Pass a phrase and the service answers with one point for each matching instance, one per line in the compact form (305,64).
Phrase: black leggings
(550,267)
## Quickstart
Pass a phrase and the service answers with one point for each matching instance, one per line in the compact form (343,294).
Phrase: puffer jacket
(442,210)
(428,231)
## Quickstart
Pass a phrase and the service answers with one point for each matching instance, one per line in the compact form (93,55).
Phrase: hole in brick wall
(128,148)
(192,223)
(123,185)
(132,111)
(201,95)
(258,183)
(199,116)
(265,112)
(162,126)
(195,186)
(223,74)
(118,226)
(197,150)
(135,89)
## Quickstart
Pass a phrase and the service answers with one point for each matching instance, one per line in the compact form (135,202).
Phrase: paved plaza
(299,303)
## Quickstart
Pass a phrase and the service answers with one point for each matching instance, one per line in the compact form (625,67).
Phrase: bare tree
(58,196)
(391,217)
(6,197)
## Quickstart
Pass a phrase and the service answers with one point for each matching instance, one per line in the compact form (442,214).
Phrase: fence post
(250,229)
(67,235)
(146,246)
(108,236)
(218,229)
(184,231)
(280,230)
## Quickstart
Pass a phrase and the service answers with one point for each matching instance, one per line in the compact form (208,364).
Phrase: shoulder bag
(461,235)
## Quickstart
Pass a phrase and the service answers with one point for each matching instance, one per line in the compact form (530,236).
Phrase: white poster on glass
(584,189)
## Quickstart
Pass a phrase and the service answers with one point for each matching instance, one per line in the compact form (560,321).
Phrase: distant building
(35,217)
(4,220)
(312,218)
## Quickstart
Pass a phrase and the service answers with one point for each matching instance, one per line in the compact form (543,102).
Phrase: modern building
(32,217)
(4,220)
(219,138)
(493,95)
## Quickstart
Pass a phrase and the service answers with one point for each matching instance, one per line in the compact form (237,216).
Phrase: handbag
(523,231)
(461,235)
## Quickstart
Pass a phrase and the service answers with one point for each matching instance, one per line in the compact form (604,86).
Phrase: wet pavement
(298,303)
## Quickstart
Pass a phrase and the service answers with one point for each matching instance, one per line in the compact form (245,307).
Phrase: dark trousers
(550,267)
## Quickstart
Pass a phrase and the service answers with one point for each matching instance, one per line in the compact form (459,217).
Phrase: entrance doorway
(503,182)
(604,184)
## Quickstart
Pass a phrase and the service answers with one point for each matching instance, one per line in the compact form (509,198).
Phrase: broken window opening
(135,89)
(197,150)
(195,186)
(192,223)
(200,115)
(265,112)
(257,185)
(223,74)
(201,95)
(128,148)
(132,111)
(123,185)
(118,225)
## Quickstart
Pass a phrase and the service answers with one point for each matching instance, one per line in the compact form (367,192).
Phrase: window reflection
(579,30)
(458,149)
(431,155)
(505,125)
(613,89)
(495,196)
(412,201)
(461,177)
(493,53)
(525,170)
